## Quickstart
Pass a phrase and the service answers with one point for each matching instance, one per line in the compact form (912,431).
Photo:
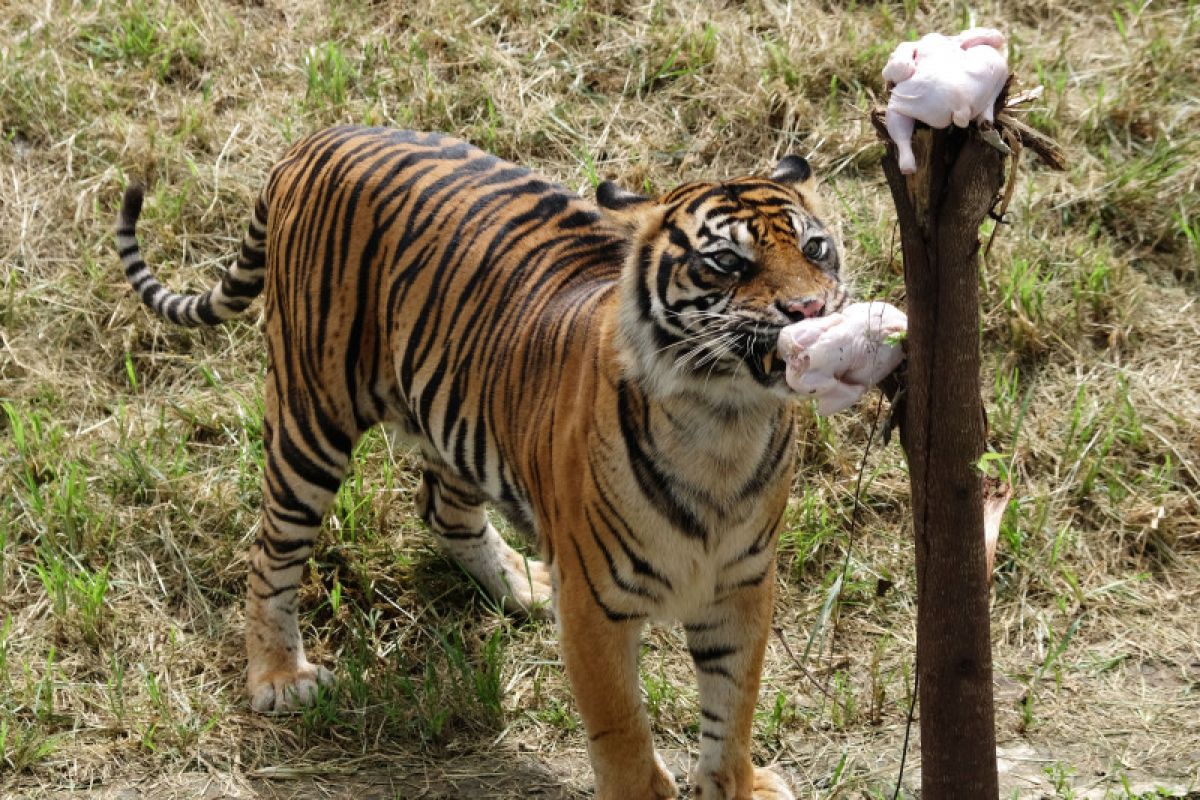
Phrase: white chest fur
(708,487)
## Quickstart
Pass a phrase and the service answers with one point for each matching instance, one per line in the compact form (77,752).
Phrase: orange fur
(605,377)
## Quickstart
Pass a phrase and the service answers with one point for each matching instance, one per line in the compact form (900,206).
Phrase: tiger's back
(606,376)
(420,280)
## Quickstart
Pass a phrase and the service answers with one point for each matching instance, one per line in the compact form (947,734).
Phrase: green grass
(130,454)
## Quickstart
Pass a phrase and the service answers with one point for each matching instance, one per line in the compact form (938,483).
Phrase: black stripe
(283,502)
(274,591)
(304,467)
(743,584)
(613,616)
(761,540)
(459,534)
(208,314)
(282,547)
(234,287)
(652,480)
(702,627)
(706,655)
(770,463)
(151,293)
(619,580)
(622,531)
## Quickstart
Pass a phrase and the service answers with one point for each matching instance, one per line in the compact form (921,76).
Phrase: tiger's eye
(725,260)
(815,248)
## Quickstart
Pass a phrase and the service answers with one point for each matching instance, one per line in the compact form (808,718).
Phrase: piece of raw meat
(943,79)
(836,358)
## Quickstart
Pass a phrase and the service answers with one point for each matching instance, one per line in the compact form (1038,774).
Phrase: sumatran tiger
(604,374)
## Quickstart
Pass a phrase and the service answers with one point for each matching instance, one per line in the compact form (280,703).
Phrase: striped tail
(238,287)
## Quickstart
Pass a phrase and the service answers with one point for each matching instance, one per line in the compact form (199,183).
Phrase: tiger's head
(714,271)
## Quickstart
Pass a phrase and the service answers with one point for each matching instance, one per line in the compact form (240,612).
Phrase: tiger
(604,374)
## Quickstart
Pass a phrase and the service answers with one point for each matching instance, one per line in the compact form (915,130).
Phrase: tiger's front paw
(281,691)
(654,782)
(767,785)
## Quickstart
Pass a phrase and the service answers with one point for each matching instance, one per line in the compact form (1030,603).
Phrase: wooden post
(940,209)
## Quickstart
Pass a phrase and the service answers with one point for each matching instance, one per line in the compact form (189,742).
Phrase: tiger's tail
(224,301)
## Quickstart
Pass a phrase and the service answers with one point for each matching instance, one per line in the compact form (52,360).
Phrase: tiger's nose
(796,310)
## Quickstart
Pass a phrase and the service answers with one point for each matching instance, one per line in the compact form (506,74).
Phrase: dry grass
(129,456)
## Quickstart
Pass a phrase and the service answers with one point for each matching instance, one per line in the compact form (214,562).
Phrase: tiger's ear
(793,171)
(612,197)
(628,210)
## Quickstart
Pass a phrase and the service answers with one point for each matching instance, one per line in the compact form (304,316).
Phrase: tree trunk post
(940,209)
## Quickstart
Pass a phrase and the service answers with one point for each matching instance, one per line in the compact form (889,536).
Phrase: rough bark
(940,209)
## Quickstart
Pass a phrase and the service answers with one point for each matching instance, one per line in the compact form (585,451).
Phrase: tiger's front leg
(727,648)
(600,652)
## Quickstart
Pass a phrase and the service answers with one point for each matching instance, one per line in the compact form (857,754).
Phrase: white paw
(720,786)
(769,786)
(286,690)
(524,587)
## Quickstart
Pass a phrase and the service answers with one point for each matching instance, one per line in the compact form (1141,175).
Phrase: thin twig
(912,704)
(799,664)
(862,468)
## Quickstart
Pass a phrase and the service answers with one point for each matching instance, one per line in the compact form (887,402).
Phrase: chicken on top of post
(942,79)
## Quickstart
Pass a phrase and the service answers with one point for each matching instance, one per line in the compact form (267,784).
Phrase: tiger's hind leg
(454,511)
(304,466)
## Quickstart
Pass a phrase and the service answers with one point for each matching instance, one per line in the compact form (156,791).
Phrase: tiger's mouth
(761,355)
(747,339)
(752,343)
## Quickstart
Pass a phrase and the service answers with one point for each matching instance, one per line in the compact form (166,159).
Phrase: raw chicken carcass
(942,79)
(837,357)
